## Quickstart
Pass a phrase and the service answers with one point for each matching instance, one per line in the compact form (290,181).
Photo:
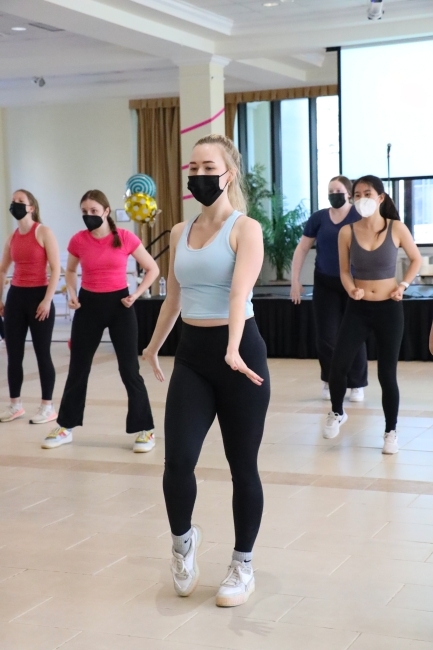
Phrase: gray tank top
(379,264)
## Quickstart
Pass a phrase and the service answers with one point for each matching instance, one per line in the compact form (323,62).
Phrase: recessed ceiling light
(19,29)
(271,4)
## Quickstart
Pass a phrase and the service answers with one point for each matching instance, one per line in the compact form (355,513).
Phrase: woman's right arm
(71,281)
(170,309)
(4,265)
(344,241)
(305,244)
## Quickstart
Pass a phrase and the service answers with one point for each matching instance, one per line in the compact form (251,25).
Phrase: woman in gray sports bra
(370,248)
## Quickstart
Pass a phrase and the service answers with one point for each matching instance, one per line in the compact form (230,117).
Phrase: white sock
(238,556)
(182,543)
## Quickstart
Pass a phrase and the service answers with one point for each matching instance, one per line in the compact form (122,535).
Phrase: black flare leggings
(385,320)
(203,386)
(98,311)
(20,310)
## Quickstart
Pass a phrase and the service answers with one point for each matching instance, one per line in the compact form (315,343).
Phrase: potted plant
(283,229)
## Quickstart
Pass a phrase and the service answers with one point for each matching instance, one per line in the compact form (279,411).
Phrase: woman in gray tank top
(370,248)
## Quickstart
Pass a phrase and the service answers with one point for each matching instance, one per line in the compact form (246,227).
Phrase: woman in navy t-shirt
(329,296)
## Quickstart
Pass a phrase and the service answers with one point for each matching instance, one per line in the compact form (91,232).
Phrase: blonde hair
(232,158)
(33,202)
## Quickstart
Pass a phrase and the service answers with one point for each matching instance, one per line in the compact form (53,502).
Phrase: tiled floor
(344,558)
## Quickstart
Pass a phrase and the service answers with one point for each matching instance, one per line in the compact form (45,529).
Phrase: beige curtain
(230,116)
(159,157)
(233,99)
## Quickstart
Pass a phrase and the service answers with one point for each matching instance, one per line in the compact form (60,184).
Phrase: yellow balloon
(141,208)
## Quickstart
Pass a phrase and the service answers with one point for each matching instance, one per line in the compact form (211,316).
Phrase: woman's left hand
(129,300)
(397,295)
(235,361)
(43,310)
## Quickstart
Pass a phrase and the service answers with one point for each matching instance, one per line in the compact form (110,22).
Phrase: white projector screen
(387,97)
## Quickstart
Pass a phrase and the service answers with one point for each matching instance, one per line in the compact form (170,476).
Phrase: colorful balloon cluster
(140,204)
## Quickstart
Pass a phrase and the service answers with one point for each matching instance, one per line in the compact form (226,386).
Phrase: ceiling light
(375,10)
(19,29)
(271,4)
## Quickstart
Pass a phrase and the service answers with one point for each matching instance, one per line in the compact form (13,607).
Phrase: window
(295,152)
(259,137)
(422,210)
(328,145)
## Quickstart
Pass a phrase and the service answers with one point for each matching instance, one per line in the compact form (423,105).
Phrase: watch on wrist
(405,285)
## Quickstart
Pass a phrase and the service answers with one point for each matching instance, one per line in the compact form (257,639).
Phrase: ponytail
(388,209)
(99,197)
(117,243)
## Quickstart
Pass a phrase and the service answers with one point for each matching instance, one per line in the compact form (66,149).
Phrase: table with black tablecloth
(289,330)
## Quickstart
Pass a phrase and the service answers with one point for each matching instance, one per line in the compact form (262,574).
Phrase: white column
(201,113)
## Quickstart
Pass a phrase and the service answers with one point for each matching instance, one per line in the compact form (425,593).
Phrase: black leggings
(329,304)
(98,311)
(20,310)
(386,320)
(203,386)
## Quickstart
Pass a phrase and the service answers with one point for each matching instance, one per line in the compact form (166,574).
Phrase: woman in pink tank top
(29,305)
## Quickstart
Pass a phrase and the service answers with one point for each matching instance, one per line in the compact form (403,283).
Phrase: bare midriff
(207,322)
(375,290)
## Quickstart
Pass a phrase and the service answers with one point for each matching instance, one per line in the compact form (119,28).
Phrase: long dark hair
(387,207)
(99,197)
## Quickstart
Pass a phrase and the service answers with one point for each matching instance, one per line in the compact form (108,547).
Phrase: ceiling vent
(48,28)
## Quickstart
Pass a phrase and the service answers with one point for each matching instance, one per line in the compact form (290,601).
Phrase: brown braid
(116,239)
(99,197)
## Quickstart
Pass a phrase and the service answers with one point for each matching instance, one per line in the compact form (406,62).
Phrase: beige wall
(60,151)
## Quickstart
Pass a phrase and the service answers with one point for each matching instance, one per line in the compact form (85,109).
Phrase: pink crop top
(103,267)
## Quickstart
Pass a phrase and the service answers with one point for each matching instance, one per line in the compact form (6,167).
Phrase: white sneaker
(237,586)
(390,443)
(333,423)
(46,413)
(57,437)
(326,395)
(184,568)
(12,412)
(144,442)
(356,395)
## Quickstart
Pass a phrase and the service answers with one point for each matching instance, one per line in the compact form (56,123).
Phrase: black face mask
(205,188)
(337,199)
(92,221)
(18,210)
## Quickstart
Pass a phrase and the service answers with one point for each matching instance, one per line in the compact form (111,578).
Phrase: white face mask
(366,207)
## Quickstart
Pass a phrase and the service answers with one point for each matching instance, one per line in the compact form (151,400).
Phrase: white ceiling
(133,48)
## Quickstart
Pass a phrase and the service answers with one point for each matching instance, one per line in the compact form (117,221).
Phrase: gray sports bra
(378,264)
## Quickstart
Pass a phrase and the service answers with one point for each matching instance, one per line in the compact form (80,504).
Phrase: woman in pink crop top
(104,302)
(29,303)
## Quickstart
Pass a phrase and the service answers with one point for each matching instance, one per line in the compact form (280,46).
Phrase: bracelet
(405,284)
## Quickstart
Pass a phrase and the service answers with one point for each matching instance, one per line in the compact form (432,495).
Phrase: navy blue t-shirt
(320,227)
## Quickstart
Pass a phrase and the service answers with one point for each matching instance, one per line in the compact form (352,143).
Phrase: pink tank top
(29,258)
